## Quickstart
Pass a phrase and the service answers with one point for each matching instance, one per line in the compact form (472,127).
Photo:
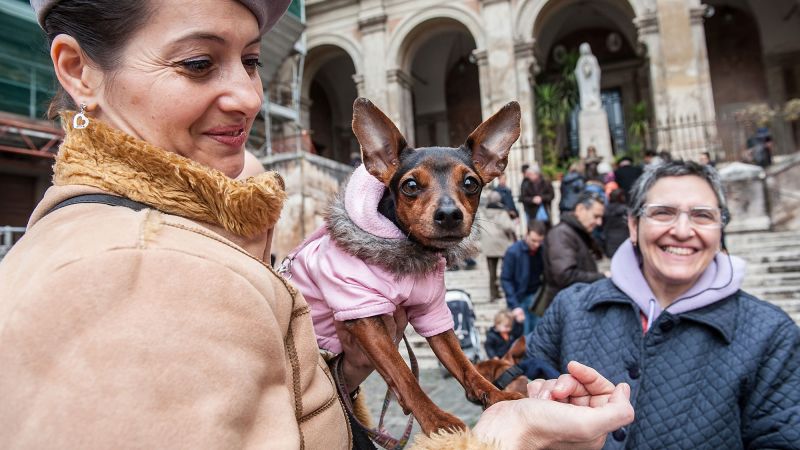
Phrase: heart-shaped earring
(80,121)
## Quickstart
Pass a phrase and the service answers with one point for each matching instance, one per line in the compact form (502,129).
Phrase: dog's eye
(471,185)
(410,187)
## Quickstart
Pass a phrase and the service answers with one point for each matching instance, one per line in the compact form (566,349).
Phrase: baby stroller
(460,304)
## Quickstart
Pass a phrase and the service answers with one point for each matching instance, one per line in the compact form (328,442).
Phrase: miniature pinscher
(432,195)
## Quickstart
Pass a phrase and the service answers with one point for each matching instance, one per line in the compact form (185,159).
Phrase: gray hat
(267,12)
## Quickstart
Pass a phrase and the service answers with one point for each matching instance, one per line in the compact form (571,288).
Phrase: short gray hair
(676,169)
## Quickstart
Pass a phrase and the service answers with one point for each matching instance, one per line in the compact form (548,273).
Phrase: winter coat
(626,177)
(162,328)
(521,274)
(571,188)
(531,189)
(615,227)
(720,369)
(497,230)
(569,258)
(359,264)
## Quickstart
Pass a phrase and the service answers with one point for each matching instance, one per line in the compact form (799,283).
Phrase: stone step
(790,278)
(770,257)
(767,236)
(785,267)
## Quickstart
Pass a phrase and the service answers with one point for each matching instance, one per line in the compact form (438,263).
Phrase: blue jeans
(530,317)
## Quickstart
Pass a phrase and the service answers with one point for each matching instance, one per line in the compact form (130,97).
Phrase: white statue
(587,73)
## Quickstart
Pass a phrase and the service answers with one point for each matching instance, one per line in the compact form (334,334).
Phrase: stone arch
(404,42)
(530,14)
(321,48)
(328,90)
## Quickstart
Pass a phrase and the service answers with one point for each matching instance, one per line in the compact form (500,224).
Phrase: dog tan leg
(373,337)
(478,388)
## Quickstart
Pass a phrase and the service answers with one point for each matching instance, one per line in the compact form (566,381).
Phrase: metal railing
(685,137)
(8,234)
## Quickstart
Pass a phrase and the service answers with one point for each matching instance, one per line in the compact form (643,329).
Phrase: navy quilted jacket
(725,376)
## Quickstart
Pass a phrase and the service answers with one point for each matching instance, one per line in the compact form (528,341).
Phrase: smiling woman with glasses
(711,366)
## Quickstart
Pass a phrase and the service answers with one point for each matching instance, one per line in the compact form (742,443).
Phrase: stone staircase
(773,274)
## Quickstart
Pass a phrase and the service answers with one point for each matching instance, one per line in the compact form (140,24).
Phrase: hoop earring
(80,121)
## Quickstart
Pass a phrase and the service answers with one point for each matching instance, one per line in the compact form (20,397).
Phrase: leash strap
(105,199)
(508,376)
(378,435)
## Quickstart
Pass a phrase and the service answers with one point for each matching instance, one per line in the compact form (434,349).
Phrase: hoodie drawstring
(650,314)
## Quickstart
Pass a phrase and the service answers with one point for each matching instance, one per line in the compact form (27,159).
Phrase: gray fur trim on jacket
(401,257)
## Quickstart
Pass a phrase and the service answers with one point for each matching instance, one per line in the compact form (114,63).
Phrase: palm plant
(638,130)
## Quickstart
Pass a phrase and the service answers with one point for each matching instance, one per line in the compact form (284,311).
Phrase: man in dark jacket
(627,174)
(535,193)
(570,251)
(522,273)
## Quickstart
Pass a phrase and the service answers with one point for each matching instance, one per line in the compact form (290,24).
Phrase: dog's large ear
(381,141)
(492,140)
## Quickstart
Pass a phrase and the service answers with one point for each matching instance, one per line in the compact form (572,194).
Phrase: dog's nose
(448,216)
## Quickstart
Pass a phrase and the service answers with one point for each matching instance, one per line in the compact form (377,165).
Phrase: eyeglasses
(700,216)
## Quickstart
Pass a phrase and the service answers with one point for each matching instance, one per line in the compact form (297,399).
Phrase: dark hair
(676,169)
(102,29)
(587,198)
(617,196)
(538,227)
(525,167)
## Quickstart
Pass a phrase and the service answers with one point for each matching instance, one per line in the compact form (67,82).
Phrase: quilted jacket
(726,375)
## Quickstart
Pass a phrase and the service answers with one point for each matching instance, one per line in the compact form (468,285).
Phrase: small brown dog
(431,196)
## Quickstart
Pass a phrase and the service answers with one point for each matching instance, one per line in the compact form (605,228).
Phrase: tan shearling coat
(124,329)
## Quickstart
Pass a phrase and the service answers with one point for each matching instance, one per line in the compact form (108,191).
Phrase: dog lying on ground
(405,215)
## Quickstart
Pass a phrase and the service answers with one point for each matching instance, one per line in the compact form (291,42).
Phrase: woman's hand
(357,366)
(588,408)
(582,386)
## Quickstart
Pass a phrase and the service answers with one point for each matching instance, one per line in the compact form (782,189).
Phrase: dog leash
(378,435)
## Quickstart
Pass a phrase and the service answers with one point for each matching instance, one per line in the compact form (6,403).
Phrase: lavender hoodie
(722,278)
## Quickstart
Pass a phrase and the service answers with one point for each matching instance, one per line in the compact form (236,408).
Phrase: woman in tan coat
(139,310)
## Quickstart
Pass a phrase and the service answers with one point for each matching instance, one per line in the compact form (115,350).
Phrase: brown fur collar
(120,164)
(400,257)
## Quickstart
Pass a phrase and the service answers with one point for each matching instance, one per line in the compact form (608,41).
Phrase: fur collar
(401,257)
(120,164)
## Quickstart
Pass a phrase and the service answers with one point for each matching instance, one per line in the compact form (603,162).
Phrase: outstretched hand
(587,408)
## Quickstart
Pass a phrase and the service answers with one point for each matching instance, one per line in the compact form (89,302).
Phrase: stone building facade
(437,68)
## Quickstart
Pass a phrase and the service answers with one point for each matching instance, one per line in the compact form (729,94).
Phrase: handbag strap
(105,199)
(379,435)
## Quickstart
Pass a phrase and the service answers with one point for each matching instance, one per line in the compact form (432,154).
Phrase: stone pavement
(445,392)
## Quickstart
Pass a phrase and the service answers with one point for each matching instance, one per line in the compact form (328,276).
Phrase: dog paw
(440,421)
(500,396)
